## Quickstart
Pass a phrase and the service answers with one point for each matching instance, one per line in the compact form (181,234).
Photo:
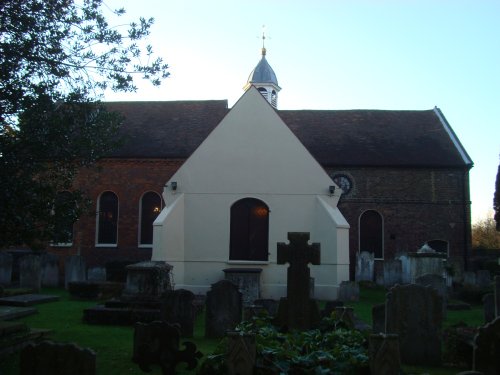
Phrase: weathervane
(263,40)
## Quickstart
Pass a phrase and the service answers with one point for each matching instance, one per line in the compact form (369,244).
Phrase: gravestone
(30,272)
(378,272)
(6,262)
(223,309)
(487,349)
(415,313)
(383,352)
(241,353)
(489,307)
(157,343)
(483,279)
(469,278)
(57,359)
(74,269)
(378,318)
(405,268)
(365,264)
(178,308)
(248,281)
(96,274)
(348,291)
(496,292)
(270,305)
(298,310)
(392,272)
(50,270)
(436,282)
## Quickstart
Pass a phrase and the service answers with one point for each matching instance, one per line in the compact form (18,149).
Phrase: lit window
(107,219)
(151,205)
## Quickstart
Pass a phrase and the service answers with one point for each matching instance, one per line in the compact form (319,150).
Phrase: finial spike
(263,40)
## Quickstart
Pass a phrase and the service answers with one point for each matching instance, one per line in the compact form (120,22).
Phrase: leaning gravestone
(30,272)
(415,313)
(57,359)
(223,309)
(487,349)
(74,269)
(178,308)
(365,264)
(6,261)
(298,310)
(50,270)
(384,354)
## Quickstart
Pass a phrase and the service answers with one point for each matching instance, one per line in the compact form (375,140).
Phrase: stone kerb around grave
(147,281)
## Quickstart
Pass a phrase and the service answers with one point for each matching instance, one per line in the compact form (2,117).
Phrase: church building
(205,187)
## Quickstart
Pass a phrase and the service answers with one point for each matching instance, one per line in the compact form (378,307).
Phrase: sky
(332,54)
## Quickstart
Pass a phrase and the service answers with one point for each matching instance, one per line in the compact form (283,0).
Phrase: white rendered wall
(250,154)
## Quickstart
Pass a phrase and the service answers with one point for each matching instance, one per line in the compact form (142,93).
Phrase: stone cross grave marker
(297,310)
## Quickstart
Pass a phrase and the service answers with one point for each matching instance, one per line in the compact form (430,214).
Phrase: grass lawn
(113,345)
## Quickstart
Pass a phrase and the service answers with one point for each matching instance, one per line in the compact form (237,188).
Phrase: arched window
(64,218)
(150,207)
(107,219)
(249,238)
(439,245)
(371,236)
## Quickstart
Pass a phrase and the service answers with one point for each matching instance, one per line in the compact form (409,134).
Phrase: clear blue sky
(405,54)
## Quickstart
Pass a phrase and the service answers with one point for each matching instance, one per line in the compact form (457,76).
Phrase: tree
(484,234)
(57,57)
(496,200)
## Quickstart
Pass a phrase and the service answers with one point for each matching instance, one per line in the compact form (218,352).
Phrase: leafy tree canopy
(57,57)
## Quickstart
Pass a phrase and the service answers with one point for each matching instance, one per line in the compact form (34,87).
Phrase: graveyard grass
(113,344)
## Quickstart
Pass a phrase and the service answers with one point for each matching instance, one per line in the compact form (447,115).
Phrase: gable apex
(252,151)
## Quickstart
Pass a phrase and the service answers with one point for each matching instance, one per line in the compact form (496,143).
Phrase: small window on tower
(274,99)
(264,92)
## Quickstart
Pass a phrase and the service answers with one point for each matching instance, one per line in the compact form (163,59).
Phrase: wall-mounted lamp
(331,189)
(173,185)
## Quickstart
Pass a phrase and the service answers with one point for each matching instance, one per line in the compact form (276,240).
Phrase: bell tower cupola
(264,78)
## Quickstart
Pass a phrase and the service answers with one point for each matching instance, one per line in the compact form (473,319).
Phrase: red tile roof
(334,138)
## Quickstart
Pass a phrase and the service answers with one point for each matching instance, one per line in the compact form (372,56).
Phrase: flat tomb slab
(13,312)
(27,299)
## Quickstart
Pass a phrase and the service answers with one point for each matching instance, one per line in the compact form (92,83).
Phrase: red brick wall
(417,205)
(129,179)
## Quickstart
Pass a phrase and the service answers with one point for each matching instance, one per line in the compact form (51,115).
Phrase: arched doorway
(249,238)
